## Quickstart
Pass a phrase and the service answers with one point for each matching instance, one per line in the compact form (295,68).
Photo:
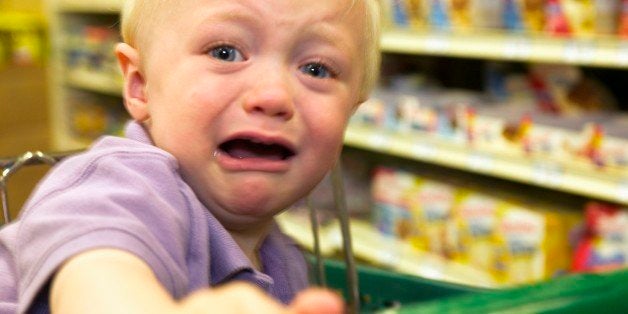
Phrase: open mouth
(245,148)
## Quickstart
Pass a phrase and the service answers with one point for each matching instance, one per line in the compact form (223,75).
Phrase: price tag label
(547,174)
(437,43)
(622,54)
(424,151)
(480,162)
(518,48)
(579,52)
(378,141)
(622,191)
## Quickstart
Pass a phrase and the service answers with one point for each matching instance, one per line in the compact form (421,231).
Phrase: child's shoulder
(115,155)
(111,164)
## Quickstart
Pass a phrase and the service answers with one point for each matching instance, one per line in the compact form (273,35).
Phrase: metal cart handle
(10,166)
(342,212)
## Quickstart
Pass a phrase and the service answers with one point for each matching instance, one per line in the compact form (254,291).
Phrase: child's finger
(233,298)
(315,301)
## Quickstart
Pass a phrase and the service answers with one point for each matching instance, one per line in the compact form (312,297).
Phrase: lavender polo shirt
(126,193)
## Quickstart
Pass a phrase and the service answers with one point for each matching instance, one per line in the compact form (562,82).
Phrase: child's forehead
(337,8)
(336,20)
(275,13)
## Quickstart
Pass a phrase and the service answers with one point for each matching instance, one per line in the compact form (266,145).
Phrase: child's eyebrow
(331,36)
(323,32)
(232,15)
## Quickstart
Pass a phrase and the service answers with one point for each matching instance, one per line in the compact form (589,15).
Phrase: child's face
(252,97)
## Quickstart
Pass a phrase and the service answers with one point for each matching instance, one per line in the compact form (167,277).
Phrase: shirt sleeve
(127,201)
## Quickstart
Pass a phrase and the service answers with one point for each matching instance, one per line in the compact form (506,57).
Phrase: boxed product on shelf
(496,233)
(567,140)
(475,224)
(378,110)
(89,54)
(604,245)
(622,27)
(487,14)
(451,15)
(615,147)
(511,127)
(410,13)
(391,209)
(431,203)
(90,117)
(526,16)
(607,16)
(520,255)
(565,90)
(577,18)
(582,17)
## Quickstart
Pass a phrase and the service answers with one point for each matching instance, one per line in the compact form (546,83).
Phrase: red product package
(604,244)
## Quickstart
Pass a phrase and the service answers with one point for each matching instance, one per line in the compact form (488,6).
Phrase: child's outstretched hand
(115,281)
(245,298)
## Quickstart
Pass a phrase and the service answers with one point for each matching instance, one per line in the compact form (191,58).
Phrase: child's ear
(134,83)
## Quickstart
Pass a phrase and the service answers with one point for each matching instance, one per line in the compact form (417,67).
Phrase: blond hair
(138,15)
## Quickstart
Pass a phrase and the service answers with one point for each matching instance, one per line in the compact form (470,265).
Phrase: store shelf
(609,52)
(94,82)
(65,142)
(575,177)
(375,248)
(101,6)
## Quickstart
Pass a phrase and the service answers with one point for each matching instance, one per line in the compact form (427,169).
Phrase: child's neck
(250,240)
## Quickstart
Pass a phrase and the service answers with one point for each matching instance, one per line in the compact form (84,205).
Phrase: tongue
(243,149)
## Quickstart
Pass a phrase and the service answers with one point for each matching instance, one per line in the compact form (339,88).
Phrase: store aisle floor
(23,123)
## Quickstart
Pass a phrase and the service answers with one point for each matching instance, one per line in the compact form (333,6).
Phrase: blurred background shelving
(599,51)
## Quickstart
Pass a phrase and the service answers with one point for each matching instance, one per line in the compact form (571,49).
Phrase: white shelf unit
(581,180)
(577,177)
(100,6)
(63,14)
(600,51)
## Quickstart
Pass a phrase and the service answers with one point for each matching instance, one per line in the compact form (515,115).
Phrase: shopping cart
(372,290)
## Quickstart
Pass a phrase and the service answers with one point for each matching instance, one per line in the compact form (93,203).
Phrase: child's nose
(271,96)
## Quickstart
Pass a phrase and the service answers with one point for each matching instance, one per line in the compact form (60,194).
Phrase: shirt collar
(228,261)
(136,131)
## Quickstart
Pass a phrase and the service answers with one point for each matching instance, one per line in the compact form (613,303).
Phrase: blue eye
(226,53)
(317,70)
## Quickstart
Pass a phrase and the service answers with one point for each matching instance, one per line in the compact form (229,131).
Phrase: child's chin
(257,206)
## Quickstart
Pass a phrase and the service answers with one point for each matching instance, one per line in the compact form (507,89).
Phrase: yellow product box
(487,14)
(524,15)
(520,245)
(417,11)
(580,15)
(475,221)
(560,225)
(431,205)
(533,241)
